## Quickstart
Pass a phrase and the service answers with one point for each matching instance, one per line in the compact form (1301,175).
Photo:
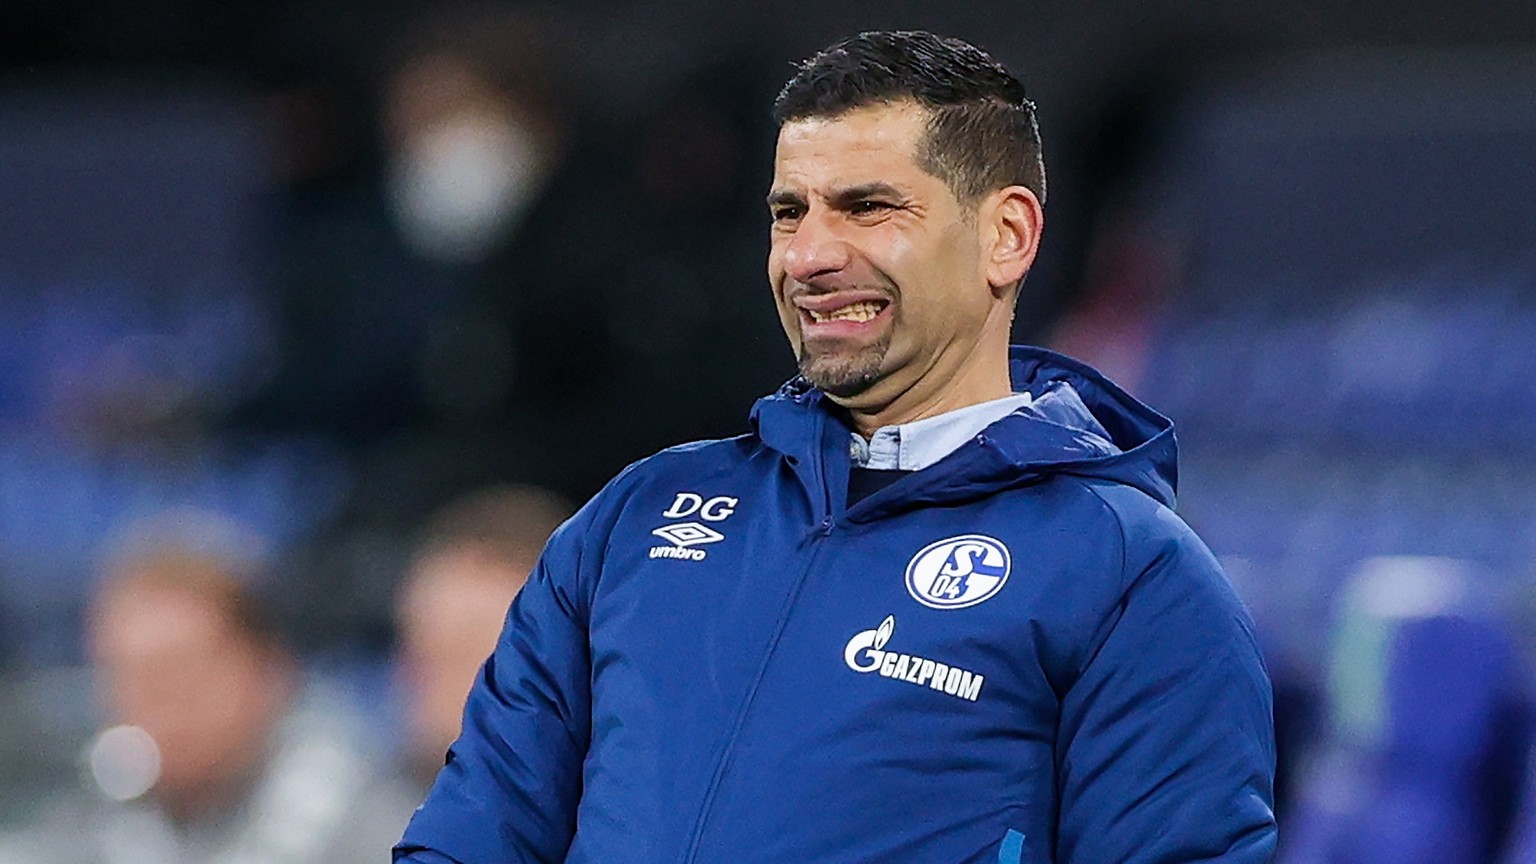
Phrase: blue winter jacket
(1018,654)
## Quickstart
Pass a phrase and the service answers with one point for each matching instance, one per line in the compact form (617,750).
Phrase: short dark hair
(982,130)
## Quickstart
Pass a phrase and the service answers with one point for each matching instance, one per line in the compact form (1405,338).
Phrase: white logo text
(683,535)
(714,510)
(865,652)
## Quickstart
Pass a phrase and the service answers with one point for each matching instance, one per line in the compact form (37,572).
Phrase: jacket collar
(1079,423)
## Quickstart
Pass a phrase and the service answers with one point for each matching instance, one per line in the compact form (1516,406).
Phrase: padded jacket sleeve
(1166,742)
(509,791)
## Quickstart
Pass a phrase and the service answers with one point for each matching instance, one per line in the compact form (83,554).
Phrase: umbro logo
(683,535)
(688,534)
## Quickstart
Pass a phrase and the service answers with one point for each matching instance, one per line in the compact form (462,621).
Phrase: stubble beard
(841,375)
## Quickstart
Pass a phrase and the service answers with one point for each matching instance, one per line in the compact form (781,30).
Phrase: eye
(785,213)
(868,207)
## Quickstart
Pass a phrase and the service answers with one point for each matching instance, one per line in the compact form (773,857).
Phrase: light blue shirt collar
(916,445)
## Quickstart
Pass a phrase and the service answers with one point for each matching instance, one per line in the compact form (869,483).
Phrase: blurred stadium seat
(1430,729)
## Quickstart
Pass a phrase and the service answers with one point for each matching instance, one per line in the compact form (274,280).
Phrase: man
(934,608)
(209,753)
(473,558)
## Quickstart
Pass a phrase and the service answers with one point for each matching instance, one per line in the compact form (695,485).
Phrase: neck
(982,380)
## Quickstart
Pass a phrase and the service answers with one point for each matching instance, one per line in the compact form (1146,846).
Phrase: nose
(816,248)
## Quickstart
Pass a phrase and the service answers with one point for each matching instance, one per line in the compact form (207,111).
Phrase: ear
(1010,219)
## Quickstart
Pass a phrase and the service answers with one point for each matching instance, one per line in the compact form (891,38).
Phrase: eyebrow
(784,197)
(844,197)
(841,197)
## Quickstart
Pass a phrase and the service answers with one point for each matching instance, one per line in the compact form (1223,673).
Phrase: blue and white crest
(958,572)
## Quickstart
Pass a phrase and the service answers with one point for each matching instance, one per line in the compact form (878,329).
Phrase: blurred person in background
(212,750)
(473,129)
(387,321)
(561,272)
(473,558)
(471,135)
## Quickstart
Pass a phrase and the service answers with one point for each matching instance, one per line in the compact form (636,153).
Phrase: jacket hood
(1078,423)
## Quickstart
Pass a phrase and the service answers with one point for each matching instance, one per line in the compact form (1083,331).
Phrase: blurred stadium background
(324,268)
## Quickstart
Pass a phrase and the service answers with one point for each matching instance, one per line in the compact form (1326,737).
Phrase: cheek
(776,276)
(788,316)
(957,266)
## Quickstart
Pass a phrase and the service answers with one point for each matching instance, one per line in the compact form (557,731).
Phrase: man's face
(874,265)
(173,664)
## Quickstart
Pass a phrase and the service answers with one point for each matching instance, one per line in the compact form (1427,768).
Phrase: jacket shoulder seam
(1121,586)
(1114,513)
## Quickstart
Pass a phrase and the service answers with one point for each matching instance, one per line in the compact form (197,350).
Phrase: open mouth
(864,310)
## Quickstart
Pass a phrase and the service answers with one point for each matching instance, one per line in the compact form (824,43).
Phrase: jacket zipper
(723,762)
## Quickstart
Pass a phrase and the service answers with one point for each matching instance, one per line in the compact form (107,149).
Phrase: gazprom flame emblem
(866,649)
(958,572)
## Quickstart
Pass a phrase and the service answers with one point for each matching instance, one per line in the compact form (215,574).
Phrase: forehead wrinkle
(860,191)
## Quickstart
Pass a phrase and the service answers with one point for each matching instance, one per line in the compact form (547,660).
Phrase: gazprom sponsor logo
(865,652)
(958,572)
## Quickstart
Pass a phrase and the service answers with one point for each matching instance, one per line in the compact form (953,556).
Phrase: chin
(841,380)
(844,376)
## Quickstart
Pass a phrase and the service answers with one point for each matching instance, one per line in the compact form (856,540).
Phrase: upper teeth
(864,310)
